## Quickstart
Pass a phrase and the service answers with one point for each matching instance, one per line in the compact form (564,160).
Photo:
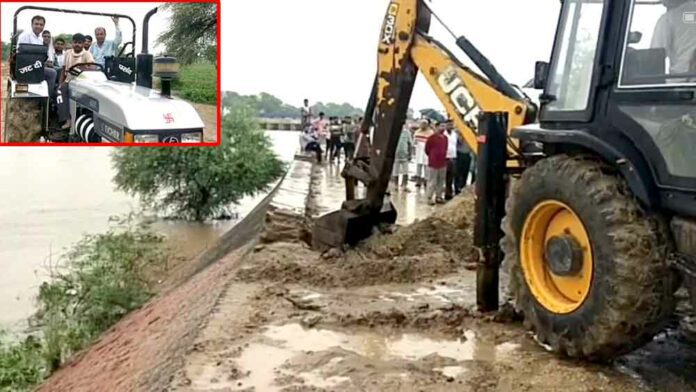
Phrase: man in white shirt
(33,37)
(452,136)
(306,114)
(676,33)
(59,49)
(103,48)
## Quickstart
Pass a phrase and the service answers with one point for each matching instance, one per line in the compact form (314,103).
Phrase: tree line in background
(265,105)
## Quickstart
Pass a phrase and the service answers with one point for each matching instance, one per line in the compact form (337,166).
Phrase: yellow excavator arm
(464,93)
(405,49)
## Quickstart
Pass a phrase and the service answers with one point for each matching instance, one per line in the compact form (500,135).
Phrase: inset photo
(112,73)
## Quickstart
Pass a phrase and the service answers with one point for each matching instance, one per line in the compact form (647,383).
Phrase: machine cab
(623,76)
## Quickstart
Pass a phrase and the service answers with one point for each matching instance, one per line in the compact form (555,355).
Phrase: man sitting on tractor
(78,55)
(88,42)
(48,43)
(58,48)
(34,37)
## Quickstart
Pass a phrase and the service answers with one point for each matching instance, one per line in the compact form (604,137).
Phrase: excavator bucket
(349,225)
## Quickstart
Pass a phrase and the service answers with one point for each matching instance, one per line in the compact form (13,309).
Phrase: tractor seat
(29,63)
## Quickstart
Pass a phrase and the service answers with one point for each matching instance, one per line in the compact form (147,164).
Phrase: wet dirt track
(395,314)
(292,320)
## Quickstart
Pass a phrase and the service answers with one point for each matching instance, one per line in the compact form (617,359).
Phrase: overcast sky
(58,23)
(326,50)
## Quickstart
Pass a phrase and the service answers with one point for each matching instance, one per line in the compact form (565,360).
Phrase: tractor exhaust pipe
(146,28)
(143,76)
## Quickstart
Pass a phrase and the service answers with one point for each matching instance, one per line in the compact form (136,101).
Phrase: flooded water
(410,205)
(50,197)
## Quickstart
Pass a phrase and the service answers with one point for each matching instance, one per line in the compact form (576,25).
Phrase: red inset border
(219,93)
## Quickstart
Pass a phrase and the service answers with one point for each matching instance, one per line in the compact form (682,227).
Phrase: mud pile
(434,247)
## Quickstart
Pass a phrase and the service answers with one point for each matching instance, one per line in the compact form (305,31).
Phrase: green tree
(66,37)
(201,182)
(268,106)
(192,33)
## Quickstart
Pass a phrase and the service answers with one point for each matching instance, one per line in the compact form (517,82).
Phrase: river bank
(394,314)
(63,193)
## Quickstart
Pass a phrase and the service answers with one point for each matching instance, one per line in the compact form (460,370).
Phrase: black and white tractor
(114,103)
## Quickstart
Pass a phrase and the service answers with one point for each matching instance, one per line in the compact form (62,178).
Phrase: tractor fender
(627,159)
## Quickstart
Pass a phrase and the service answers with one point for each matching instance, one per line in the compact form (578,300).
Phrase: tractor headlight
(145,138)
(195,137)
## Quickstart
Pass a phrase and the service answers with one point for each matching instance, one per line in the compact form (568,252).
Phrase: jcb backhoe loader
(597,191)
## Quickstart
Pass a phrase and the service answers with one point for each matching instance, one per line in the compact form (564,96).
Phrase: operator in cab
(675,31)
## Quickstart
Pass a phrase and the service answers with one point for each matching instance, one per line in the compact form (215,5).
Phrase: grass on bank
(197,82)
(97,282)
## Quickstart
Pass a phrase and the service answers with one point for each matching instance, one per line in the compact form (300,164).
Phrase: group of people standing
(327,137)
(443,160)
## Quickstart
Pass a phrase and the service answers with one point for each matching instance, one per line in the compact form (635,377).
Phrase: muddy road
(395,314)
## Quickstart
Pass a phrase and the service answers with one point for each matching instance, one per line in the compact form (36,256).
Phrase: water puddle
(444,294)
(278,345)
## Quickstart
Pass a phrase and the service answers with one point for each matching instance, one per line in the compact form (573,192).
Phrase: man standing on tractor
(676,35)
(105,48)
(34,37)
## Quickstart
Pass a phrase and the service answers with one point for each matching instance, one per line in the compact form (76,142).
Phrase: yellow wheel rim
(558,294)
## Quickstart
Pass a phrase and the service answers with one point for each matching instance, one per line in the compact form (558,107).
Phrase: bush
(197,83)
(104,277)
(199,183)
(22,364)
(97,282)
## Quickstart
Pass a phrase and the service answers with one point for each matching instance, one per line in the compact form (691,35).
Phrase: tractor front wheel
(588,266)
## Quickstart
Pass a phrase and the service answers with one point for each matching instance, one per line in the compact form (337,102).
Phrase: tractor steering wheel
(74,71)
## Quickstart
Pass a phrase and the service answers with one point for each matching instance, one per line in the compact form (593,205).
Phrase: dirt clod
(433,247)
